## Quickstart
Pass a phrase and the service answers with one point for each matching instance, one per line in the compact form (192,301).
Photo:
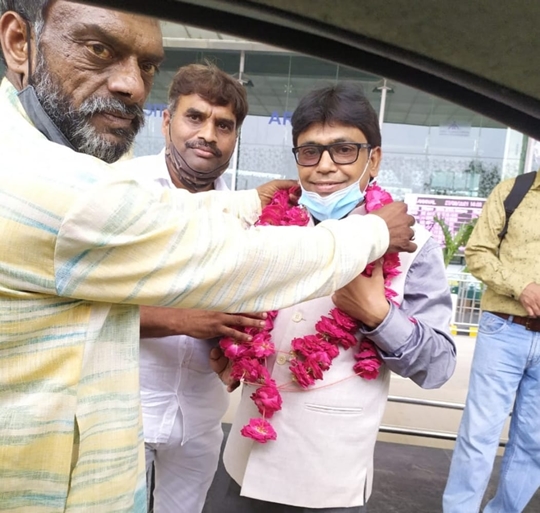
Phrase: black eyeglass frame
(327,147)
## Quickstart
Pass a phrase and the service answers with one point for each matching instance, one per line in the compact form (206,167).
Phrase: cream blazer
(323,455)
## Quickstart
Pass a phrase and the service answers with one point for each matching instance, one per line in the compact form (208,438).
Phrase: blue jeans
(505,368)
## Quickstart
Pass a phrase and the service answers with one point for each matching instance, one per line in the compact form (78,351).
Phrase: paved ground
(408,479)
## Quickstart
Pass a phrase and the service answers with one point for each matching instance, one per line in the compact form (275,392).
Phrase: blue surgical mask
(335,205)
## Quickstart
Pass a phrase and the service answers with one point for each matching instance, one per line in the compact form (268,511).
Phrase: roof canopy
(477,53)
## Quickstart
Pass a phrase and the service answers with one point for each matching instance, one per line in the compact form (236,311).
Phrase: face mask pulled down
(335,205)
(190,178)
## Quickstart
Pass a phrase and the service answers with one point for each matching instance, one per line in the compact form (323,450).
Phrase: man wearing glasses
(329,196)
(322,459)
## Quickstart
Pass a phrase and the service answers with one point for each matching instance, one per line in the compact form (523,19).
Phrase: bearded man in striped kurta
(84,244)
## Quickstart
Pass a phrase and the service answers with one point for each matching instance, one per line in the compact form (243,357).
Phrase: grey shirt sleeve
(414,340)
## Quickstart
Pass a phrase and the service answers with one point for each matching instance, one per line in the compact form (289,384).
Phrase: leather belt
(530,323)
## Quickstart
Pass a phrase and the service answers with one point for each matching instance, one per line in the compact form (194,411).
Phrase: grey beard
(75,124)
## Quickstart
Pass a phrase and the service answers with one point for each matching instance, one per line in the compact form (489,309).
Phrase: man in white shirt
(183,401)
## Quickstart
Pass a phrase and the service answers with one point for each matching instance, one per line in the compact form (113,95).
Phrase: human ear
(165,124)
(14,40)
(375,162)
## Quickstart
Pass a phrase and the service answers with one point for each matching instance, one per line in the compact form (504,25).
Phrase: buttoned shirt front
(176,377)
(506,272)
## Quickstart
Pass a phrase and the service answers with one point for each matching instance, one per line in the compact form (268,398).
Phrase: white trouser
(183,473)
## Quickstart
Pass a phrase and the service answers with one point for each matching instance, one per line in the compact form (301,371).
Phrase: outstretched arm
(121,242)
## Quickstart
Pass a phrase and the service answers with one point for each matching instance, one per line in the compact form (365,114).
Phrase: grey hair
(33,11)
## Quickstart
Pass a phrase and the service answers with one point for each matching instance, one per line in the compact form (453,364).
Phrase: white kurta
(176,378)
(183,400)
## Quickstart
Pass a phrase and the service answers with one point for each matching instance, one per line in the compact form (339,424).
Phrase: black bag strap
(521,186)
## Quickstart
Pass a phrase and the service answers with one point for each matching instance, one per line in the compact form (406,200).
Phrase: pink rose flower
(267,399)
(365,354)
(330,330)
(250,370)
(301,373)
(296,216)
(327,327)
(261,345)
(232,348)
(343,320)
(331,350)
(281,198)
(311,364)
(391,269)
(272,314)
(346,339)
(317,363)
(307,345)
(323,359)
(366,350)
(391,260)
(259,430)
(252,331)
(368,368)
(269,323)
(377,198)
(311,344)
(271,215)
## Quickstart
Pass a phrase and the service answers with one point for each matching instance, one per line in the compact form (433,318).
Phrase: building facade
(430,146)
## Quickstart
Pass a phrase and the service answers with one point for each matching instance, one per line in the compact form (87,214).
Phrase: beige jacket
(323,455)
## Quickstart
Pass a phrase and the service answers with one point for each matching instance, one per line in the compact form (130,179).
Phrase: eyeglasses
(340,153)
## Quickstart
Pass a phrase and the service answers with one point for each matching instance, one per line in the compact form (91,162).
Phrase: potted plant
(452,245)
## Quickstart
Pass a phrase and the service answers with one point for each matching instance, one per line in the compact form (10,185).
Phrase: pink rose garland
(313,354)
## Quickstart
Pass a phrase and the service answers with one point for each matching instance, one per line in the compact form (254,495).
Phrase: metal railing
(466,295)
(439,435)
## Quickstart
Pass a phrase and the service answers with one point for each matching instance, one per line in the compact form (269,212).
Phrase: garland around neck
(312,354)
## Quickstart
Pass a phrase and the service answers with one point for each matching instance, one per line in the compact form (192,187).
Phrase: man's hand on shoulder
(267,190)
(399,226)
(203,324)
(530,299)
